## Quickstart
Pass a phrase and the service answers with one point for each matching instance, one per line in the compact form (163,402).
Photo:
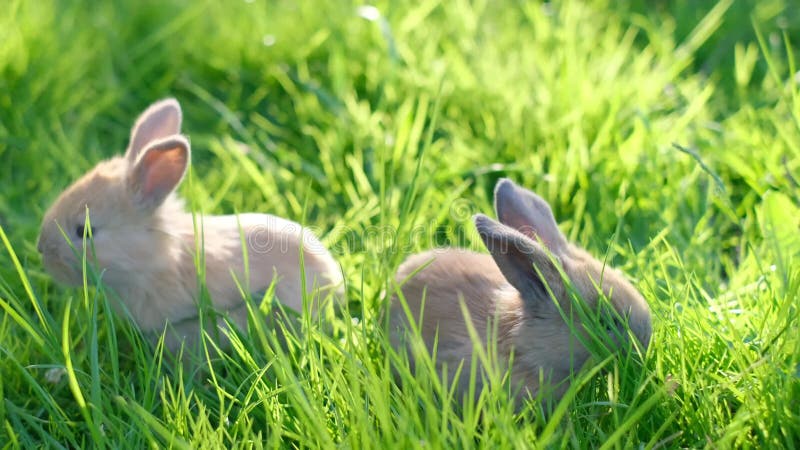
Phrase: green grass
(665,135)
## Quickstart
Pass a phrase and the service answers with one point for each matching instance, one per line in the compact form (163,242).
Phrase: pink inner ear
(162,119)
(162,170)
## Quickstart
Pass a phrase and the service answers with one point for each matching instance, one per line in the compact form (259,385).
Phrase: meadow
(665,135)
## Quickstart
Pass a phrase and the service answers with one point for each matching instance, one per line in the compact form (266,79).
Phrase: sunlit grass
(666,136)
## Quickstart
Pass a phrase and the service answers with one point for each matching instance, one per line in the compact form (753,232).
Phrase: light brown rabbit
(145,244)
(508,291)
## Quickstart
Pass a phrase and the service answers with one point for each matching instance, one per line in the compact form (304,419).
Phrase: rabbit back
(273,247)
(440,281)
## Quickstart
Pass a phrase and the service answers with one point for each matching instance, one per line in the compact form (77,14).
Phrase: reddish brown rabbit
(513,285)
(145,242)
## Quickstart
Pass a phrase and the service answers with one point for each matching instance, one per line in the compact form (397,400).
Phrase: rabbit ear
(529,214)
(159,170)
(519,257)
(162,119)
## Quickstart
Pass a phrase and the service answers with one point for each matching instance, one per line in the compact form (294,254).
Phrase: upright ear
(159,170)
(519,257)
(160,120)
(529,214)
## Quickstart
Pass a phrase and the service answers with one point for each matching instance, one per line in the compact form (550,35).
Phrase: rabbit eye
(80,230)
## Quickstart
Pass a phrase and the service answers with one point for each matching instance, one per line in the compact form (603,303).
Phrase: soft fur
(146,245)
(514,285)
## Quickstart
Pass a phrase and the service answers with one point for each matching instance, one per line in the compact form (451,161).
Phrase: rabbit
(146,244)
(509,291)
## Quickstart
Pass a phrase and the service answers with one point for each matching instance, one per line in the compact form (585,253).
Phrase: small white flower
(369,12)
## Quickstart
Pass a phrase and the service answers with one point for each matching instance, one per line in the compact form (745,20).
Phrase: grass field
(665,135)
